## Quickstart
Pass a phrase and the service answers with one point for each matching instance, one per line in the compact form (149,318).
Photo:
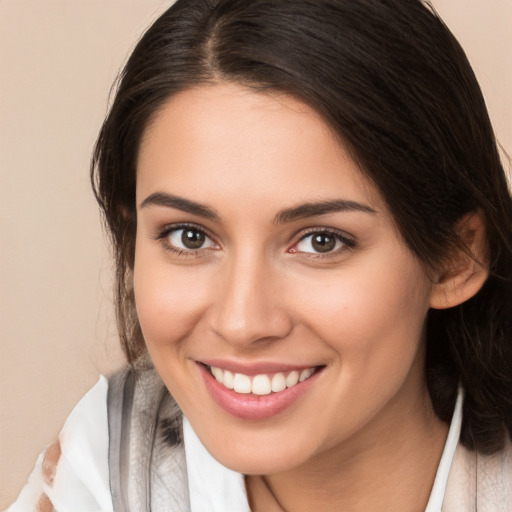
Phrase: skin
(363,436)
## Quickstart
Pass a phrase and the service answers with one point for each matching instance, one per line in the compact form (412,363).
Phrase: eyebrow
(179,203)
(321,208)
(288,215)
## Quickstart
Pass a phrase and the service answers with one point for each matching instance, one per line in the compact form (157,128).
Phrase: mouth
(257,395)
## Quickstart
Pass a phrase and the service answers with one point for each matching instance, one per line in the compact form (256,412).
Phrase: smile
(258,393)
(262,384)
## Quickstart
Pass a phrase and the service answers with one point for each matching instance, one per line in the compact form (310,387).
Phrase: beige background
(57,61)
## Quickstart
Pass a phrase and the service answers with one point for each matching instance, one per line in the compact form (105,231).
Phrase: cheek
(168,300)
(376,308)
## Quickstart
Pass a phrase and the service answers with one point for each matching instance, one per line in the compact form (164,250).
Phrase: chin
(258,457)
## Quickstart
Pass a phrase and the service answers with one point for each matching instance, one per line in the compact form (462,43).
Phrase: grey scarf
(146,453)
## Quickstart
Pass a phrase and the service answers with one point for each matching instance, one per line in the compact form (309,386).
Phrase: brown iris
(193,239)
(323,242)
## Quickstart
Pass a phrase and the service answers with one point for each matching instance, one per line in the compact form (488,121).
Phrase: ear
(467,268)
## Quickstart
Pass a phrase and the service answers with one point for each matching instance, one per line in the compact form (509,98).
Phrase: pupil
(323,243)
(192,239)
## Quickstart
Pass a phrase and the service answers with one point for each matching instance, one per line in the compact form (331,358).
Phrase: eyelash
(347,242)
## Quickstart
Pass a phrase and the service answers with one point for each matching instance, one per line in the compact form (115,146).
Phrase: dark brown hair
(394,84)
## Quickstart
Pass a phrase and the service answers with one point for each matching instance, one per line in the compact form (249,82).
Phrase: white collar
(435,501)
(212,487)
(215,488)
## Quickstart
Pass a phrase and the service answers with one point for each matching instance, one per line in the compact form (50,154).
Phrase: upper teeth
(260,384)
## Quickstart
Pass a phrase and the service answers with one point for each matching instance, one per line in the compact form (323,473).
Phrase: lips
(257,392)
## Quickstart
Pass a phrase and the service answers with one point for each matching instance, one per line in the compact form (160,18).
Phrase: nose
(248,307)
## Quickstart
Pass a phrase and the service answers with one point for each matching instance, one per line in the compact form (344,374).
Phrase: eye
(187,238)
(321,242)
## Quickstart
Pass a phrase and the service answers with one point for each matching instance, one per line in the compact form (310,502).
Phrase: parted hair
(397,89)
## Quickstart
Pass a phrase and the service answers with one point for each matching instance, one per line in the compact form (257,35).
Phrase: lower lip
(254,407)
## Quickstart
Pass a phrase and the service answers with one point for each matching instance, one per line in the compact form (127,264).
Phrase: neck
(389,465)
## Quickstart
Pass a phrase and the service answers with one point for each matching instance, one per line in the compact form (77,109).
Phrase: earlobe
(467,269)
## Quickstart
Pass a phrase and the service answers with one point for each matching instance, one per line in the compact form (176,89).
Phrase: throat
(261,496)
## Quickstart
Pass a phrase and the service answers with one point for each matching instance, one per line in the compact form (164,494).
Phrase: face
(267,263)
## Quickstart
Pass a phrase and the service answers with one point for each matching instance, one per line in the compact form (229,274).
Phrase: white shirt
(81,480)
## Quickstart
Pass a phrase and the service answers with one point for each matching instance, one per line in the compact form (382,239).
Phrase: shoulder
(480,482)
(72,473)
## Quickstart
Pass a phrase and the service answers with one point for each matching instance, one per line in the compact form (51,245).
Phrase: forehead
(232,141)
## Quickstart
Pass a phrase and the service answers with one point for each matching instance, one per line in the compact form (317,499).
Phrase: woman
(312,232)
